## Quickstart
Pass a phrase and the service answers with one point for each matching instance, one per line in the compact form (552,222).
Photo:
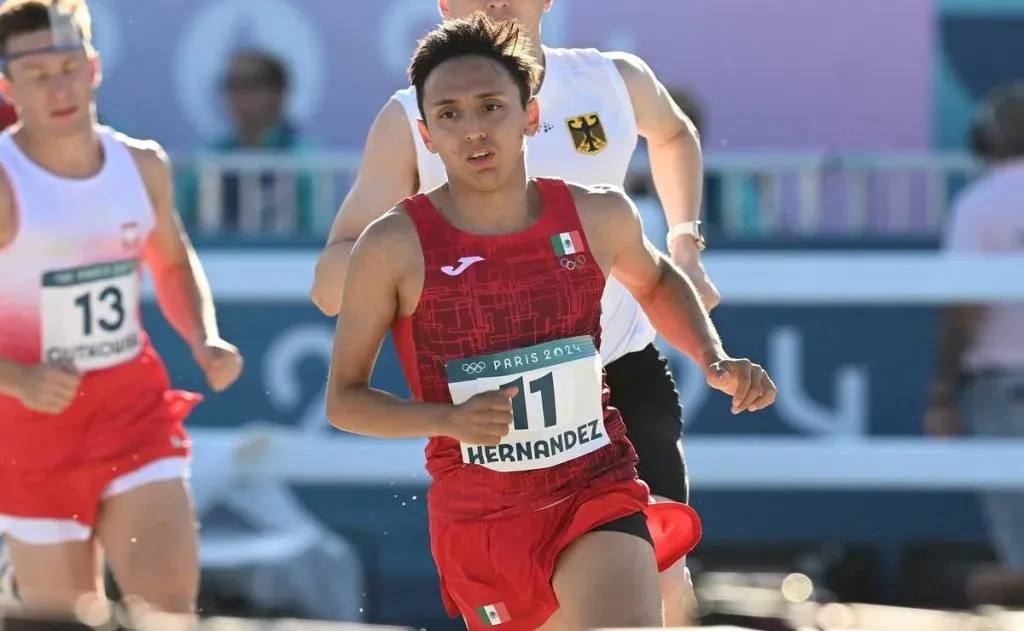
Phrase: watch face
(698,236)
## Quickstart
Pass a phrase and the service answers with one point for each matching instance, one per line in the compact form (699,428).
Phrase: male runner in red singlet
(492,286)
(93,454)
(594,105)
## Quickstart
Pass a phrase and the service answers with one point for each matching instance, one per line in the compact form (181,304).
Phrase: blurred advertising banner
(771,73)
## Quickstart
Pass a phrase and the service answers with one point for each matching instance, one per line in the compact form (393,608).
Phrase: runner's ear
(425,135)
(532,116)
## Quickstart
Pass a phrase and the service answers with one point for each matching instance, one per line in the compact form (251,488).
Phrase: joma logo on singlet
(464,264)
(522,450)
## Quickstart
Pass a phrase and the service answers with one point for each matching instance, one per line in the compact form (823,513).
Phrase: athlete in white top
(93,455)
(593,106)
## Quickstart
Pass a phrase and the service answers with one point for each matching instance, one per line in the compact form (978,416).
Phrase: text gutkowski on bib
(557,414)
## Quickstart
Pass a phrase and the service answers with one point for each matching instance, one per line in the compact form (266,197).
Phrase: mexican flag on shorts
(492,615)
(567,243)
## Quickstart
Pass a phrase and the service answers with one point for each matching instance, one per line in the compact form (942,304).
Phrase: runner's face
(475,121)
(53,90)
(527,12)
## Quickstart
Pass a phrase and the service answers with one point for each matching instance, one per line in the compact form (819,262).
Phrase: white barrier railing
(748,463)
(786,192)
(740,462)
(769,278)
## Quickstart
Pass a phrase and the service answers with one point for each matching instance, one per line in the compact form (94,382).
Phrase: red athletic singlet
(484,299)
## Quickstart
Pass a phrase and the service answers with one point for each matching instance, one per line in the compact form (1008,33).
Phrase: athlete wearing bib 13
(594,105)
(93,453)
(492,286)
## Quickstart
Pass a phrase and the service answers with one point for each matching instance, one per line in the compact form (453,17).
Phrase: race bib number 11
(557,414)
(90,315)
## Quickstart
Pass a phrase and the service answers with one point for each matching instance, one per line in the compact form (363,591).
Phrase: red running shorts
(501,568)
(125,429)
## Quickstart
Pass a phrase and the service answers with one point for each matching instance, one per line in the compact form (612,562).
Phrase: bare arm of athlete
(677,164)
(47,388)
(384,282)
(8,216)
(668,297)
(182,290)
(387,176)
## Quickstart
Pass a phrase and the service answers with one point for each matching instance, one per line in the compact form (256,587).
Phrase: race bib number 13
(90,315)
(557,414)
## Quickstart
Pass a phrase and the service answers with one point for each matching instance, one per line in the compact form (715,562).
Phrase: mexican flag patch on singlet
(567,243)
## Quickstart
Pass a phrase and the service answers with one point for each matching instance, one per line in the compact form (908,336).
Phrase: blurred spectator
(256,87)
(980,364)
(734,212)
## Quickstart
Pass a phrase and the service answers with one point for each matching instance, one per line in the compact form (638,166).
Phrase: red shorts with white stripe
(125,429)
(498,571)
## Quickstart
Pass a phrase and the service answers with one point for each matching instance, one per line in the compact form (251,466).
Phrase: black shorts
(645,394)
(635,524)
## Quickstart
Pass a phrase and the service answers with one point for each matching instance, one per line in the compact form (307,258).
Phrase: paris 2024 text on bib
(557,414)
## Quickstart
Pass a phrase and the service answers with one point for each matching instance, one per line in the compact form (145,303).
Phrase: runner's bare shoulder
(603,207)
(392,234)
(389,251)
(8,211)
(150,158)
(609,218)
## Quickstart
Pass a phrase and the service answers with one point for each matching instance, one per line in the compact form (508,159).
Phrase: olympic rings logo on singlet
(90,315)
(557,414)
(573,263)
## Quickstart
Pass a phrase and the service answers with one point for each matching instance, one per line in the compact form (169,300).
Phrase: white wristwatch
(687,228)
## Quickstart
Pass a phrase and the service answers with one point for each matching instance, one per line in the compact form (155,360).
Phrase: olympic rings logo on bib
(474,368)
(573,263)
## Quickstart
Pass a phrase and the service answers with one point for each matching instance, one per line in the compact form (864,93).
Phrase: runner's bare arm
(8,214)
(665,293)
(385,259)
(182,290)
(677,164)
(10,372)
(672,140)
(44,388)
(387,176)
